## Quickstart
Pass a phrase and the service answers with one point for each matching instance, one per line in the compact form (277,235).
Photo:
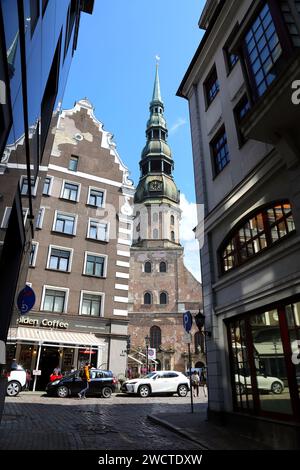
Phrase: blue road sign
(26,300)
(187,321)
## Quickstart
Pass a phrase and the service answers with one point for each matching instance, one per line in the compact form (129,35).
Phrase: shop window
(262,230)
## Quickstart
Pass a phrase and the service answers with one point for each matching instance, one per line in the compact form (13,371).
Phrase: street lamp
(200,321)
(147,341)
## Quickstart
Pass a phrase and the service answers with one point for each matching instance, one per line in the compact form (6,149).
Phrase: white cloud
(187,236)
(178,123)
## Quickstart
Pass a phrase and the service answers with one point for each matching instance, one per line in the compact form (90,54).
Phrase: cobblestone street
(33,421)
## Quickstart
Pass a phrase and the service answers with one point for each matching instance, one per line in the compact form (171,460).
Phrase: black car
(102,383)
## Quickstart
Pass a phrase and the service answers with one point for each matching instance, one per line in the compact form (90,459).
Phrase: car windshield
(150,375)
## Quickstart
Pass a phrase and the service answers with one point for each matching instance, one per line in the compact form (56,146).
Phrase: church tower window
(147,298)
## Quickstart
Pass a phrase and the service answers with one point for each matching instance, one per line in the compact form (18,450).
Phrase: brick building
(79,263)
(160,286)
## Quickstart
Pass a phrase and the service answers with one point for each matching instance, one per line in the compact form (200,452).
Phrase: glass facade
(265,361)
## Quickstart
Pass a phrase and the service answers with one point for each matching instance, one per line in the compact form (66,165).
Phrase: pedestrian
(85,377)
(56,375)
(28,380)
(203,381)
(195,383)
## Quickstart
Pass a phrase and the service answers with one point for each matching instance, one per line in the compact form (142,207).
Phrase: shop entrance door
(48,361)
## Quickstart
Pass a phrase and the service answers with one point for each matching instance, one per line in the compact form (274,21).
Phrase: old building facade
(79,261)
(245,139)
(161,288)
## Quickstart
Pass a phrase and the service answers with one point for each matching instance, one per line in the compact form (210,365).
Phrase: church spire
(156,97)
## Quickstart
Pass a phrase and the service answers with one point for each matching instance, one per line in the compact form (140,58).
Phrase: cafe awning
(54,338)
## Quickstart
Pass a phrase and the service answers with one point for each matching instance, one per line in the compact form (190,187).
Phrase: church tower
(160,286)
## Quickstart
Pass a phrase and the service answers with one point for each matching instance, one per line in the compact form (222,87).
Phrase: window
(40,218)
(73,163)
(172,235)
(172,220)
(70,23)
(230,59)
(147,267)
(263,50)
(240,111)
(155,337)
(162,267)
(54,299)
(147,298)
(24,186)
(94,265)
(163,298)
(264,228)
(98,230)
(59,258)
(219,150)
(70,191)
(96,197)
(49,96)
(47,186)
(91,304)
(33,254)
(64,223)
(155,233)
(34,14)
(211,86)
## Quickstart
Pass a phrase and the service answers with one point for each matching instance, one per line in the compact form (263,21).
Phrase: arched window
(163,298)
(147,298)
(155,233)
(172,235)
(199,342)
(172,219)
(155,217)
(147,267)
(162,267)
(265,227)
(155,337)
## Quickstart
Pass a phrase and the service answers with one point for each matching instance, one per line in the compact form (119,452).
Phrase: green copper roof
(156,97)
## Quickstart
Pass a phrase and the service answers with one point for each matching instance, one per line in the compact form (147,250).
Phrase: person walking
(195,383)
(85,379)
(203,381)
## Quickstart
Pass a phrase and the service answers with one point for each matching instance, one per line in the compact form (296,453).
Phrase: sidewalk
(195,427)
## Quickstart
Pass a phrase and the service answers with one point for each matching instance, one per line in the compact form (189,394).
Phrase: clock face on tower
(155,185)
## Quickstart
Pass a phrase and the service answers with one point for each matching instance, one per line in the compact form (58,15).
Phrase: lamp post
(147,341)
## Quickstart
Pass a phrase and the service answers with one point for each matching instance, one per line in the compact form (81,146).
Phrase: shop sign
(44,323)
(25,300)
(36,372)
(87,351)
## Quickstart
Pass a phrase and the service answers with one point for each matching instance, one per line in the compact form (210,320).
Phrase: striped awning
(54,337)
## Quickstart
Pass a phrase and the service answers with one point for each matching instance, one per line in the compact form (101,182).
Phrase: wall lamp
(200,322)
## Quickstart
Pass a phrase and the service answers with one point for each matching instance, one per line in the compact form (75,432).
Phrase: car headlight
(55,382)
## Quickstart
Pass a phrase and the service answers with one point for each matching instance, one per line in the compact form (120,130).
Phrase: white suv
(16,381)
(163,381)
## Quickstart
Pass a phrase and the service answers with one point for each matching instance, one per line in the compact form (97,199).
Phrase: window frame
(73,157)
(144,267)
(94,188)
(63,289)
(242,140)
(166,297)
(50,186)
(166,267)
(227,54)
(64,248)
(151,298)
(63,189)
(36,244)
(93,219)
(217,137)
(234,235)
(67,214)
(33,186)
(86,254)
(208,100)
(40,225)
(101,294)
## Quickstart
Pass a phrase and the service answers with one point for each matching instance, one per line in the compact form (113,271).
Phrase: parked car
(16,380)
(163,381)
(264,383)
(102,383)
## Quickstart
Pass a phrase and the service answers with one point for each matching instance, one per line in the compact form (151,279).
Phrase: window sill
(94,207)
(57,270)
(69,200)
(56,232)
(93,276)
(96,240)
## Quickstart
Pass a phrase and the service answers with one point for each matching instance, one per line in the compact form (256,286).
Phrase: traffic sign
(187,321)
(152,353)
(25,300)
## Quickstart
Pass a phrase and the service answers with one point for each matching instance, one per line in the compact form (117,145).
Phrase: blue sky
(114,66)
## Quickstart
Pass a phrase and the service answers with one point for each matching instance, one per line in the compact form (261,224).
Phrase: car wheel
(182,390)
(106,392)
(62,391)
(276,387)
(13,388)
(240,389)
(144,391)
